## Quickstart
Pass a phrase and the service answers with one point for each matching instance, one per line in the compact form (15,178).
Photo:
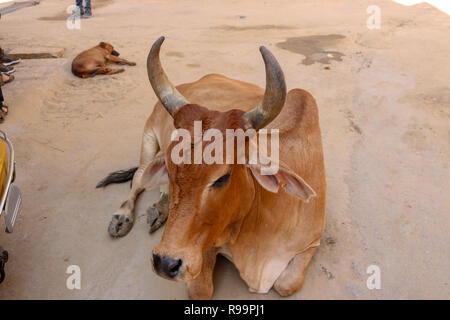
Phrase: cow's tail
(117,177)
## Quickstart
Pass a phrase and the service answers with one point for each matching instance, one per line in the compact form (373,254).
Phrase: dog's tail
(117,177)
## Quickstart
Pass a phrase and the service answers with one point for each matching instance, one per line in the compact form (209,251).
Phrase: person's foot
(3,112)
(4,79)
(87,13)
(6,70)
(7,60)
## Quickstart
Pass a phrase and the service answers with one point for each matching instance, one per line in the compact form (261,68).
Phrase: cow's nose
(167,266)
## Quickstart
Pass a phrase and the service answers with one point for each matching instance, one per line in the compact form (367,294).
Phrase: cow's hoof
(120,225)
(155,219)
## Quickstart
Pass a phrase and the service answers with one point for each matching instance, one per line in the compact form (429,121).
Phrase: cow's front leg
(158,213)
(123,219)
(120,60)
(291,279)
(202,288)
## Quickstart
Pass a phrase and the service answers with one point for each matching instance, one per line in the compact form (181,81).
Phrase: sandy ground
(384,103)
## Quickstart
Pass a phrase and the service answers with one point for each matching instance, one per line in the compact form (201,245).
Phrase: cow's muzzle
(167,267)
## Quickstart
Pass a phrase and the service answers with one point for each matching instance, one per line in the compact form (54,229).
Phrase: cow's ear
(155,173)
(102,45)
(284,178)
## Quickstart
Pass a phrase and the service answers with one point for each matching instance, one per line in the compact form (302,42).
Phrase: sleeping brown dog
(93,61)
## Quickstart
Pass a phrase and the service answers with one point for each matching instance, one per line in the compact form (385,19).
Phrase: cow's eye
(223,180)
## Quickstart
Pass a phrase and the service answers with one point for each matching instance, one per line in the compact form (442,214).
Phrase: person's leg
(87,9)
(1,97)
(5,78)
(3,108)
(79,4)
(6,70)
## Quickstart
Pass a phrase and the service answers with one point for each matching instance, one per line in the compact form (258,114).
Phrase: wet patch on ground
(312,47)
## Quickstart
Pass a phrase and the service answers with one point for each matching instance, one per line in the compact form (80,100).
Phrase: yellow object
(3,166)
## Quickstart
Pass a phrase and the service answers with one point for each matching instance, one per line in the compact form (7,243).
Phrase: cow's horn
(274,96)
(171,99)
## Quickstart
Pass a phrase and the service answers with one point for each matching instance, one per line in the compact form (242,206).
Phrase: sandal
(7,60)
(6,70)
(3,112)
(10,78)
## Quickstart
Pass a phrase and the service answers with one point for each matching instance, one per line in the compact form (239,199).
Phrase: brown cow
(268,226)
(93,61)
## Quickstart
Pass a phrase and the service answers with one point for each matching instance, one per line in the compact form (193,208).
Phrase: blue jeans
(87,2)
(1,96)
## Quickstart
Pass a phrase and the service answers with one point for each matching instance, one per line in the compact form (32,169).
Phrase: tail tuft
(117,177)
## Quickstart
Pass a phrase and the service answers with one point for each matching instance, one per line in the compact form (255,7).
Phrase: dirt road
(384,103)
